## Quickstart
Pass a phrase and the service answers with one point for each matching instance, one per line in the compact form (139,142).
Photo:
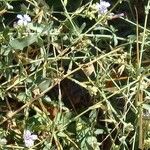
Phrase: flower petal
(34,137)
(25,22)
(19,16)
(105,4)
(20,22)
(27,18)
(29,143)
(27,133)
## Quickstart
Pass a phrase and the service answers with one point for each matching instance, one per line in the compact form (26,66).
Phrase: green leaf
(44,85)
(22,96)
(20,44)
(61,134)
(146,106)
(99,131)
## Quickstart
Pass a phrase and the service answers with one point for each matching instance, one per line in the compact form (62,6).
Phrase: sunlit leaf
(21,43)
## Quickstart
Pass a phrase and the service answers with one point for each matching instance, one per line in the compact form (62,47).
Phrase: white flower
(29,138)
(23,20)
(103,6)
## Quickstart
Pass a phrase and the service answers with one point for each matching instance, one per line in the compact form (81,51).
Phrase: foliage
(74,74)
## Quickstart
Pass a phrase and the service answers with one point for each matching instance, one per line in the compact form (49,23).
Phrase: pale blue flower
(23,20)
(29,138)
(103,6)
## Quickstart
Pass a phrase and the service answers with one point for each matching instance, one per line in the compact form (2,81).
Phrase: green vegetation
(74,75)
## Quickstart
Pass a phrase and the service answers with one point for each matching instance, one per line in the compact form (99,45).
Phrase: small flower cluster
(23,20)
(29,138)
(102,8)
